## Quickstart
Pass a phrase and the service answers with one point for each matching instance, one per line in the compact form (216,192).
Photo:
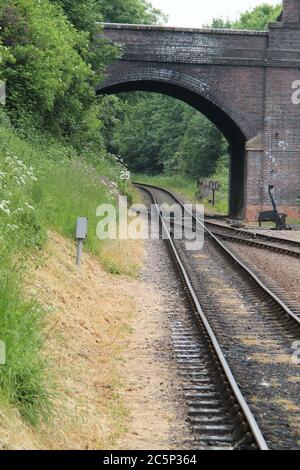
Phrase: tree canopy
(256,19)
(130,11)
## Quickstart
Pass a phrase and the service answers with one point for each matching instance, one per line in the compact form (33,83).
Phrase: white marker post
(2,353)
(81,235)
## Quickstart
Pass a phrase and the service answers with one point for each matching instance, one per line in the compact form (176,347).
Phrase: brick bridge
(242,81)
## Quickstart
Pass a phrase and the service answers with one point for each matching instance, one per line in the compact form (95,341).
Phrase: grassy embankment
(187,187)
(43,185)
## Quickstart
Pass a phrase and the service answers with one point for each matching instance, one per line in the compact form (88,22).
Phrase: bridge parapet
(189,46)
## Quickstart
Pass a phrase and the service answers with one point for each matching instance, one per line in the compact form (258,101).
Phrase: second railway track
(255,331)
(256,239)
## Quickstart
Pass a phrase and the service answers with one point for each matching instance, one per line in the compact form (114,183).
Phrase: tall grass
(64,187)
(22,378)
(65,192)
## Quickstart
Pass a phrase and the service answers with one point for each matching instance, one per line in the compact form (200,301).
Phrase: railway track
(258,240)
(218,410)
(267,242)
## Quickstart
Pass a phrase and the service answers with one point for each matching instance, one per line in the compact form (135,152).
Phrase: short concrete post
(81,235)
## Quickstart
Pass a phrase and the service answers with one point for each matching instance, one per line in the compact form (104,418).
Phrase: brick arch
(195,91)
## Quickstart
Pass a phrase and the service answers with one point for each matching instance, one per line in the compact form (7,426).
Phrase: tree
(52,77)
(83,14)
(201,146)
(5,59)
(130,11)
(259,17)
(156,127)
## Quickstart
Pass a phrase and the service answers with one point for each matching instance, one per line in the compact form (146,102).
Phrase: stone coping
(143,27)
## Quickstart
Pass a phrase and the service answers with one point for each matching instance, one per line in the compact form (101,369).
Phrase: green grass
(23,377)
(65,192)
(179,184)
(67,186)
(187,187)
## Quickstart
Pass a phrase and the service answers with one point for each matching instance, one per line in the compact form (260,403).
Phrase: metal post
(79,251)
(214,186)
(81,235)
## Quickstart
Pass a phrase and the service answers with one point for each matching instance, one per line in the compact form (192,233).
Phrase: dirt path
(153,393)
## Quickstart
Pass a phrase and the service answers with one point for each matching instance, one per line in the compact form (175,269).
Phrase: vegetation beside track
(55,165)
(187,187)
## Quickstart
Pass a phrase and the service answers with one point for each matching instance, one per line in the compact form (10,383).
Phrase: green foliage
(257,19)
(180,184)
(221,174)
(200,148)
(159,133)
(80,188)
(130,11)
(43,184)
(50,191)
(220,23)
(23,378)
(145,136)
(19,221)
(55,70)
(83,14)
(5,58)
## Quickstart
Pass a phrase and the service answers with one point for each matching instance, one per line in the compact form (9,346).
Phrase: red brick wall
(291,11)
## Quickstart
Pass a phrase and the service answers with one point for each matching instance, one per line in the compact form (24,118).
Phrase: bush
(51,77)
(19,222)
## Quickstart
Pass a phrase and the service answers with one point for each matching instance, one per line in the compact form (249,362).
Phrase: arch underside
(230,122)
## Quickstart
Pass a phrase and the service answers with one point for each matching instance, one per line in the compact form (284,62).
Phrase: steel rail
(258,240)
(218,231)
(250,419)
(230,254)
(252,235)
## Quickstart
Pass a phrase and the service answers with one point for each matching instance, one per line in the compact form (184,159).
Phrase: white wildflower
(4,207)
(12,227)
